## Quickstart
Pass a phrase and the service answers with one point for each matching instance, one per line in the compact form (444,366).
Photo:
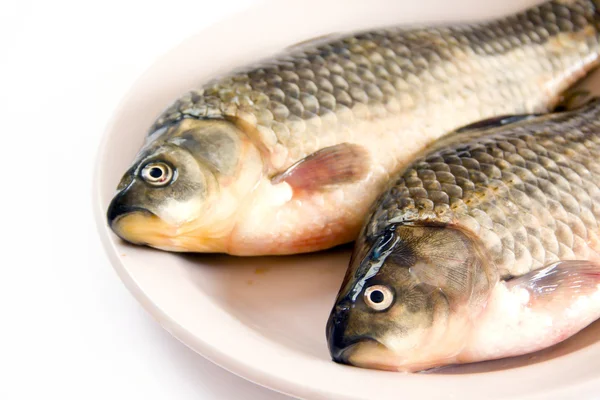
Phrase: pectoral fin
(536,311)
(560,283)
(342,163)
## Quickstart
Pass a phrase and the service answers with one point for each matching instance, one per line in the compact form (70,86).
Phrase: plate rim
(236,366)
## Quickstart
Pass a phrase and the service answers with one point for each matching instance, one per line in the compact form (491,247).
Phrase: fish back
(528,191)
(360,87)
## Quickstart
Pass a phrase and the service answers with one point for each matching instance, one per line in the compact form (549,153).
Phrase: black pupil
(376,296)
(156,172)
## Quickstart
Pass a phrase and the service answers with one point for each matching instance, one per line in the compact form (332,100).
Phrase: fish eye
(379,297)
(157,174)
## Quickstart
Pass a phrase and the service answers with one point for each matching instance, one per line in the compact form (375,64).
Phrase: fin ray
(342,163)
(561,281)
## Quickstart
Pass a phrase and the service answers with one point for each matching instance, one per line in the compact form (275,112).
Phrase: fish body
(286,156)
(486,246)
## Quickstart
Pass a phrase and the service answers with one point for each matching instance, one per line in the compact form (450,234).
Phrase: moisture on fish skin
(305,100)
(529,191)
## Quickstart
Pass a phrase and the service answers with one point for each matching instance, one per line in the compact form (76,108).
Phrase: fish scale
(529,191)
(311,97)
(289,153)
(485,247)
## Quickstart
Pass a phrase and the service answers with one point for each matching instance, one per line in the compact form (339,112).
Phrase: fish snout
(340,314)
(336,327)
(126,220)
(119,207)
(337,338)
(346,348)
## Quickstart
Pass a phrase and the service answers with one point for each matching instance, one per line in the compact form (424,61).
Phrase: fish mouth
(133,224)
(137,225)
(362,351)
(118,211)
(372,354)
(343,348)
(351,353)
(369,353)
(141,227)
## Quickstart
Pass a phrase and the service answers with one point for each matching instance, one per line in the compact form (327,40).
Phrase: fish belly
(514,324)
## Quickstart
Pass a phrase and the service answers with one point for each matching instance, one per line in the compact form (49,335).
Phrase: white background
(68,326)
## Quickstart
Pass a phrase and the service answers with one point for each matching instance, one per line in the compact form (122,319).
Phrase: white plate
(264,318)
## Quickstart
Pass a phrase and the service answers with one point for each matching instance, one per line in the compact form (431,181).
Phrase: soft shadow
(222,384)
(286,299)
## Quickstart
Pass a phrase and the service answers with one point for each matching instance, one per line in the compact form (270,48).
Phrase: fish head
(185,186)
(408,299)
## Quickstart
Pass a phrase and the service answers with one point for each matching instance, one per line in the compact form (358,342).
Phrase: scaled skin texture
(287,156)
(485,247)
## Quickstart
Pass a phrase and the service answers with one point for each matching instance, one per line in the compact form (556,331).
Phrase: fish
(486,246)
(285,155)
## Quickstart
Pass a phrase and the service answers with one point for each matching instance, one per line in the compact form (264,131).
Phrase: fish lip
(339,346)
(342,356)
(117,210)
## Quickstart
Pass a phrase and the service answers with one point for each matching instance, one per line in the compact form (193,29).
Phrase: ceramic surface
(264,318)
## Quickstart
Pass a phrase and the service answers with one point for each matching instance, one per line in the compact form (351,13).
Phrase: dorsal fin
(313,41)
